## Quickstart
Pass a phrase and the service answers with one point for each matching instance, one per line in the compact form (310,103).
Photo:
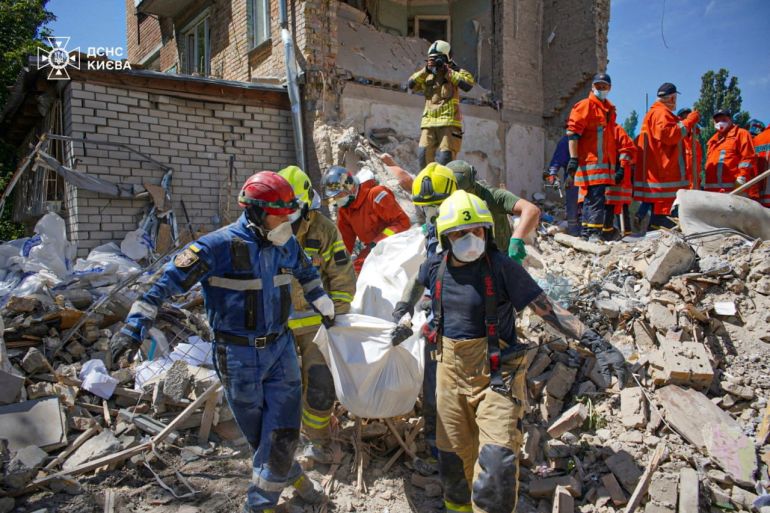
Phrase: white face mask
(468,248)
(721,125)
(280,235)
(602,95)
(296,215)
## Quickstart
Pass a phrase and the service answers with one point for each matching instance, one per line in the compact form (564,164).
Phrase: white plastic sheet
(97,380)
(386,272)
(49,250)
(372,378)
(136,245)
(105,265)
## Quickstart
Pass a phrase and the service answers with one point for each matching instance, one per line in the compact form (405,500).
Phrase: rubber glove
(516,249)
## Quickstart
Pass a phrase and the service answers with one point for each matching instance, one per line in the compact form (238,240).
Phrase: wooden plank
(208,420)
(109,501)
(644,482)
(20,171)
(688,491)
(401,442)
(127,453)
(764,426)
(106,411)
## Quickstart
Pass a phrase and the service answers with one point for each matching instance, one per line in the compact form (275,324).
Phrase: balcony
(167,8)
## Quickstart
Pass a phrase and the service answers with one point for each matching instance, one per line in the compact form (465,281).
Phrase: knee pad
(495,490)
(456,488)
(283,443)
(320,388)
(444,157)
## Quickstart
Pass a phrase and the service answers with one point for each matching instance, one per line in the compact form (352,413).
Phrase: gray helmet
(465,174)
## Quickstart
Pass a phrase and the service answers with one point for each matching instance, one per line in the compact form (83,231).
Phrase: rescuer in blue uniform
(245,269)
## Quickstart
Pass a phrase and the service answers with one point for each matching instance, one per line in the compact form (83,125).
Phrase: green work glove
(516,249)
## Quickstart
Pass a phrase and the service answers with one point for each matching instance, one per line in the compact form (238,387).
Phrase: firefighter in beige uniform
(481,390)
(322,242)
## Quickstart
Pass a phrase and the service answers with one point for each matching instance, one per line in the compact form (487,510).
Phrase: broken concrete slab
(689,495)
(740,391)
(688,411)
(177,382)
(660,317)
(732,450)
(41,423)
(613,488)
(701,211)
(633,407)
(570,419)
(663,490)
(744,499)
(625,469)
(581,245)
(101,445)
(540,488)
(23,466)
(10,387)
(682,363)
(561,381)
(673,257)
(563,502)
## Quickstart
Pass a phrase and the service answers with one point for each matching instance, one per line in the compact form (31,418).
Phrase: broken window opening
(433,27)
(196,47)
(259,22)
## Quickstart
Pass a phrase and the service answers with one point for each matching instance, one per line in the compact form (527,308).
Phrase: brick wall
(142,38)
(195,137)
(521,61)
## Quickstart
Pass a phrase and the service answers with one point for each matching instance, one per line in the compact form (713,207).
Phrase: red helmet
(270,192)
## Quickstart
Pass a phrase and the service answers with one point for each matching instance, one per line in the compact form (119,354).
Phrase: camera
(440,60)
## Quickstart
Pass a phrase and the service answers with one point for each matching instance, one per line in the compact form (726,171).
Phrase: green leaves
(630,124)
(719,91)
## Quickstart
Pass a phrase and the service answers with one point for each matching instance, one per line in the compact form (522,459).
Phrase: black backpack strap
(438,307)
(490,321)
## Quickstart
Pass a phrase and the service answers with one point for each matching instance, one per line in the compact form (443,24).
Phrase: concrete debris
(41,423)
(669,261)
(623,465)
(571,419)
(98,446)
(689,494)
(23,466)
(686,363)
(563,502)
(546,487)
(34,361)
(613,488)
(732,450)
(633,408)
(178,382)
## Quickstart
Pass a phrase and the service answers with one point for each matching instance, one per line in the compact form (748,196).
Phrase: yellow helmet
(461,211)
(433,185)
(300,182)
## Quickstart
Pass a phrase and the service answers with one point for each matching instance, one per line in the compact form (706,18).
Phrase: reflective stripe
(718,186)
(264,484)
(309,286)
(305,322)
(143,309)
(744,165)
(388,232)
(338,295)
(762,147)
(452,507)
(625,156)
(314,421)
(232,284)
(309,251)
(282,279)
(592,167)
(591,225)
(600,143)
(584,180)
(661,185)
(720,165)
(682,165)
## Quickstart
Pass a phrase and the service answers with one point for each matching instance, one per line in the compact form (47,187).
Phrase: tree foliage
(630,124)
(719,91)
(22,25)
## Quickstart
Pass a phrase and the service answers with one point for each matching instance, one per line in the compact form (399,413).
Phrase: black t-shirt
(463,294)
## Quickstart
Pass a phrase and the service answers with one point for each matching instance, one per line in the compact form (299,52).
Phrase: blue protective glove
(516,249)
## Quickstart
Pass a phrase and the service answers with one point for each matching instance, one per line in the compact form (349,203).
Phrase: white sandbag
(386,272)
(701,211)
(372,378)
(105,265)
(49,250)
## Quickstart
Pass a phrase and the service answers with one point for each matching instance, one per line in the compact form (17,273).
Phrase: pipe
(292,86)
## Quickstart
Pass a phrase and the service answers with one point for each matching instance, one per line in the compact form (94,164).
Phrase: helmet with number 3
(462,211)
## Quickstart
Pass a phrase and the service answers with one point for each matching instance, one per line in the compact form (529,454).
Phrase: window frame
(191,29)
(427,17)
(251,16)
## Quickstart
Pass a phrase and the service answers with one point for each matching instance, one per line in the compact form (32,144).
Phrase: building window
(196,48)
(432,28)
(259,22)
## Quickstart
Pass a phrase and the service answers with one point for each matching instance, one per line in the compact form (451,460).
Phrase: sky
(699,35)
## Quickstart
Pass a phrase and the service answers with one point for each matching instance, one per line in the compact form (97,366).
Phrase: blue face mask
(602,95)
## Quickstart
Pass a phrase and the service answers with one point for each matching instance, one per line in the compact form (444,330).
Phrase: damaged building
(355,58)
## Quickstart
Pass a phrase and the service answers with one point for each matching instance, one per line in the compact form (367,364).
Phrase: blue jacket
(246,282)
(560,156)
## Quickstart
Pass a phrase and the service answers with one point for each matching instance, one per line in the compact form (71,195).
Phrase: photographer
(441,129)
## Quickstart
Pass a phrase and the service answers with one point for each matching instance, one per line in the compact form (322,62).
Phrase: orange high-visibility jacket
(729,155)
(762,149)
(620,194)
(591,122)
(373,215)
(662,168)
(691,144)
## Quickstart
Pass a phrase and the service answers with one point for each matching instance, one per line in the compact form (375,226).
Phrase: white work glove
(325,306)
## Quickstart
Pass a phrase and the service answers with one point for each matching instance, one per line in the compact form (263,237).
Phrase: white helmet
(439,47)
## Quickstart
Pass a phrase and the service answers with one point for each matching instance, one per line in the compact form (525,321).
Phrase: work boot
(318,452)
(427,466)
(309,491)
(249,509)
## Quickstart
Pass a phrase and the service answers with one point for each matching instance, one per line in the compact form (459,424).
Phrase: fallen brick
(539,365)
(672,258)
(570,419)
(740,391)
(550,408)
(563,502)
(561,381)
(613,488)
(663,490)
(625,469)
(530,445)
(540,488)
(633,410)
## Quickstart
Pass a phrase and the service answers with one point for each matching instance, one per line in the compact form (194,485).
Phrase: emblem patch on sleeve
(380,196)
(186,259)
